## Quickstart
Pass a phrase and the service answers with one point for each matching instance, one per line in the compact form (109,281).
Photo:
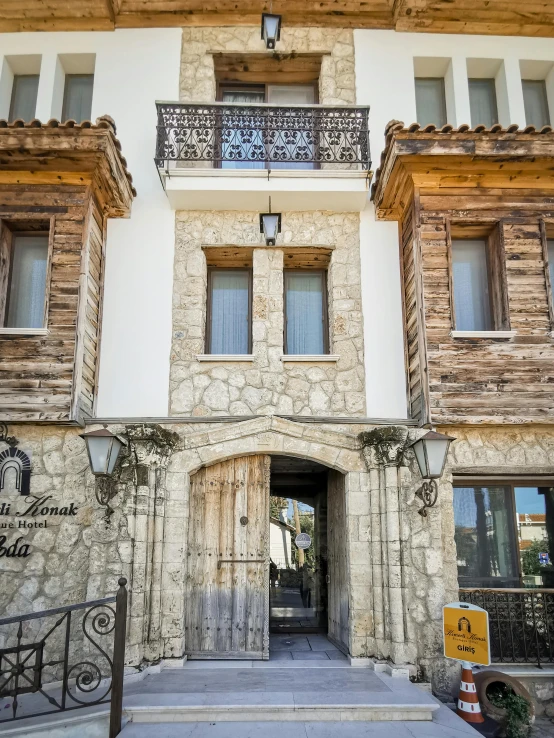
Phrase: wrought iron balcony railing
(521,623)
(263,136)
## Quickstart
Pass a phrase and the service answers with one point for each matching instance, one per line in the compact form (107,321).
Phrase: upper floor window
(77,99)
(24,97)
(430,101)
(23,295)
(306,324)
(229,311)
(482,101)
(470,276)
(536,102)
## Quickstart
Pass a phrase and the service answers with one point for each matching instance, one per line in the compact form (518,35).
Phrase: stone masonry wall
(267,385)
(337,84)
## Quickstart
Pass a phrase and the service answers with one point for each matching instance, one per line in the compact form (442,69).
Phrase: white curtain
(28,282)
(230,312)
(482,102)
(430,101)
(471,287)
(239,142)
(24,97)
(77,97)
(301,139)
(304,311)
(536,103)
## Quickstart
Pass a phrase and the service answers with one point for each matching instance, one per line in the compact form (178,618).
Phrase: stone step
(297,695)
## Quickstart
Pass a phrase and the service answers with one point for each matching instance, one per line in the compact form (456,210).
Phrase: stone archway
(269,436)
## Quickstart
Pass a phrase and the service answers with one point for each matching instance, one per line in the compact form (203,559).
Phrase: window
(306,330)
(240,143)
(504,534)
(430,101)
(26,256)
(77,99)
(24,97)
(472,304)
(536,103)
(482,102)
(229,311)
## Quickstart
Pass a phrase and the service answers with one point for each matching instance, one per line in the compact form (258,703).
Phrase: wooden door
(227,585)
(337,562)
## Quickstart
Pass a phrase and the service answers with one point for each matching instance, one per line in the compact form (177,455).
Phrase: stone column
(268,324)
(152,530)
(383,450)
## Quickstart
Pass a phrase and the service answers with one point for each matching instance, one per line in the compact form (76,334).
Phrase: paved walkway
(297,647)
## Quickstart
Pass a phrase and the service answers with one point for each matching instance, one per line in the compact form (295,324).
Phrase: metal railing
(78,668)
(270,136)
(521,623)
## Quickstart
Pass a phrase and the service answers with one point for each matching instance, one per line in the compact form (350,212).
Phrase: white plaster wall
(132,69)
(385,82)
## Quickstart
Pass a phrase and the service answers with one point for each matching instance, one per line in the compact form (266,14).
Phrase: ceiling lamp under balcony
(270,226)
(271,29)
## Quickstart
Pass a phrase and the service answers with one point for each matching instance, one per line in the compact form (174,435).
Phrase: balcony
(234,157)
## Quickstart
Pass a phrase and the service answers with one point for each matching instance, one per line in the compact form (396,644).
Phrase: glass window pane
(482,102)
(551,264)
(536,103)
(471,286)
(535,532)
(430,101)
(239,143)
(484,535)
(27,282)
(24,97)
(230,310)
(297,143)
(304,311)
(77,102)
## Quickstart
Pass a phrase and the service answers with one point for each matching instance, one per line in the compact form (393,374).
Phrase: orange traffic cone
(468,704)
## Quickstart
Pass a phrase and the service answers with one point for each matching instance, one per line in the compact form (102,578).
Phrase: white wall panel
(133,69)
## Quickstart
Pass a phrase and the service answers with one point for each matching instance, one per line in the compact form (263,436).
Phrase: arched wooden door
(227,581)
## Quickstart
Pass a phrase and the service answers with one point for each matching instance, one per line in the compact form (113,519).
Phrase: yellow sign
(466,633)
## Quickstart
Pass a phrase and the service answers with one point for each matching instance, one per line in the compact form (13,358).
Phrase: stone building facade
(398,567)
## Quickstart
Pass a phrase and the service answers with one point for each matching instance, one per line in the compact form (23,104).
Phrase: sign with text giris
(466,633)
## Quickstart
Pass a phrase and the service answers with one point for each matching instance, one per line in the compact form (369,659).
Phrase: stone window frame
(209,303)
(510,483)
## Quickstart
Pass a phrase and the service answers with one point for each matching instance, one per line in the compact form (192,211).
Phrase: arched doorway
(235,591)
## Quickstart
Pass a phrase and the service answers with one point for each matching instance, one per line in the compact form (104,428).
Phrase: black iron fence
(59,659)
(263,136)
(521,623)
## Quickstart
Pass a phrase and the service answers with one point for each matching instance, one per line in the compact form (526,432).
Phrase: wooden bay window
(24,261)
(478,280)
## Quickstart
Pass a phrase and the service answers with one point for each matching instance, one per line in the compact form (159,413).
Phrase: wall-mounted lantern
(270,226)
(103,448)
(271,29)
(430,451)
